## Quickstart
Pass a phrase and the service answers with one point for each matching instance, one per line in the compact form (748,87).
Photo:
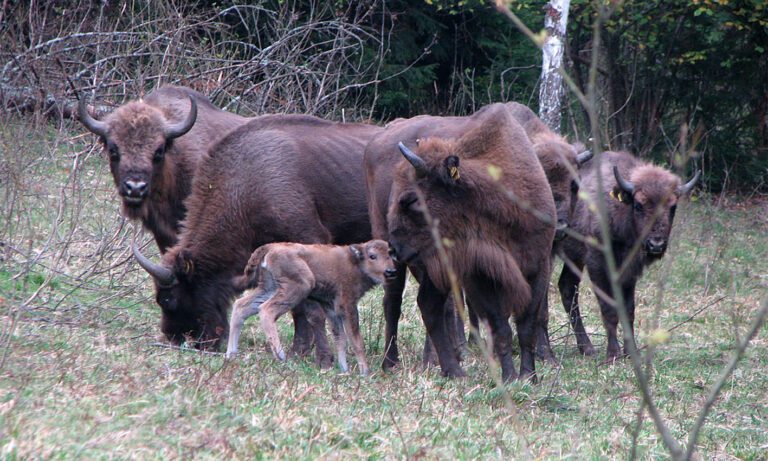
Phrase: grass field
(81,376)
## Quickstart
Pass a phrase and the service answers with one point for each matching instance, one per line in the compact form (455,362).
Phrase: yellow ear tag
(454,173)
(617,196)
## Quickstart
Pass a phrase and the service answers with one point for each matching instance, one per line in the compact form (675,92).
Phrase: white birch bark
(551,90)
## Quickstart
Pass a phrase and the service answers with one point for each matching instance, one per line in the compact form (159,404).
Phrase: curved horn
(93,125)
(583,157)
(625,185)
(418,163)
(179,129)
(163,275)
(685,188)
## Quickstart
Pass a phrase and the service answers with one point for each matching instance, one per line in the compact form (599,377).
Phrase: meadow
(84,376)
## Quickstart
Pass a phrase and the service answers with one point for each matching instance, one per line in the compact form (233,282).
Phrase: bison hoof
(230,355)
(588,350)
(528,377)
(457,373)
(280,355)
(390,364)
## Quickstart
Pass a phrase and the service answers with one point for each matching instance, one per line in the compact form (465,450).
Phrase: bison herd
(305,215)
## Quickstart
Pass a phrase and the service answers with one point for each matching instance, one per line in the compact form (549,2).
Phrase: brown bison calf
(288,273)
(641,200)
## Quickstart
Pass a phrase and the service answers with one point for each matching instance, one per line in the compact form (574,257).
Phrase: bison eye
(638,207)
(159,153)
(408,200)
(373,256)
(114,153)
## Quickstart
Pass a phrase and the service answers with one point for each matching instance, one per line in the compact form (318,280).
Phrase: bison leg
(339,339)
(474,327)
(568,285)
(246,306)
(290,293)
(352,326)
(485,301)
(432,306)
(302,333)
(393,300)
(315,314)
(629,303)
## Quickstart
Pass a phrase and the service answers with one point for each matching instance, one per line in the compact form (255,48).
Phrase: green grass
(81,378)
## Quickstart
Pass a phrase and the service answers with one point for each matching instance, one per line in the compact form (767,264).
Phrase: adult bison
(276,178)
(381,157)
(488,195)
(154,146)
(561,161)
(641,200)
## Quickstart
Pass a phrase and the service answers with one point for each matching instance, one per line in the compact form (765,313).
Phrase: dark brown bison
(381,157)
(288,273)
(641,200)
(561,161)
(154,146)
(489,196)
(277,178)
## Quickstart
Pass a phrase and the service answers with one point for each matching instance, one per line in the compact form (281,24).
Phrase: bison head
(434,180)
(135,137)
(374,260)
(192,310)
(652,192)
(561,162)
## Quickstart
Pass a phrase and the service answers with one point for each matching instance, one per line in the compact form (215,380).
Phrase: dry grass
(80,377)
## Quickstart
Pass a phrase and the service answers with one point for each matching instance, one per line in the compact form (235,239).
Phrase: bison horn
(93,125)
(625,185)
(583,157)
(418,163)
(179,129)
(685,188)
(163,275)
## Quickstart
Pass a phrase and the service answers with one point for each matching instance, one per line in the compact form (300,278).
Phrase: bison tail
(253,271)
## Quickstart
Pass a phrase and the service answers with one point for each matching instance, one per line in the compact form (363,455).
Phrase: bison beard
(500,249)
(641,210)
(276,178)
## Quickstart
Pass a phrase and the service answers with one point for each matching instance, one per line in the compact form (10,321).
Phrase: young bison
(641,199)
(288,273)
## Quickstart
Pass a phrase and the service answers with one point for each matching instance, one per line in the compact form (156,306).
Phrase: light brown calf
(288,273)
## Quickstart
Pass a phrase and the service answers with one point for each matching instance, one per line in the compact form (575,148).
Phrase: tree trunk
(551,90)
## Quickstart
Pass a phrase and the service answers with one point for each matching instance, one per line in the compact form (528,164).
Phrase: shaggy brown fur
(640,224)
(153,174)
(277,178)
(289,273)
(500,248)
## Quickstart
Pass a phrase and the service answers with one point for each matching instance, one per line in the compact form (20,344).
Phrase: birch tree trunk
(551,90)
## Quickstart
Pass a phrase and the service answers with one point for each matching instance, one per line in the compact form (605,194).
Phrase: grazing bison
(561,162)
(154,146)
(489,196)
(641,200)
(289,273)
(276,178)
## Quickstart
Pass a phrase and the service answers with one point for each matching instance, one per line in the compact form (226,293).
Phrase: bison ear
(451,164)
(357,251)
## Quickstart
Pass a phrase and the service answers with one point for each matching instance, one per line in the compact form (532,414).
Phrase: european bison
(561,161)
(154,146)
(276,178)
(289,273)
(489,196)
(381,157)
(641,200)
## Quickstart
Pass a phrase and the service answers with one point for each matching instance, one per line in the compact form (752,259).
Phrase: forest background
(673,74)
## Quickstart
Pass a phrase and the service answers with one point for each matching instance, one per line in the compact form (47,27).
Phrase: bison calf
(288,273)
